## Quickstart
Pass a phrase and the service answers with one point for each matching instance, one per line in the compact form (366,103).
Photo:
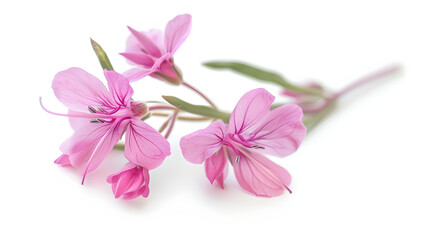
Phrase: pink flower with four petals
(100,117)
(252,130)
(153,51)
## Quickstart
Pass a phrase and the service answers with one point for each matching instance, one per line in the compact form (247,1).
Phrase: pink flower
(153,51)
(252,130)
(131,182)
(100,117)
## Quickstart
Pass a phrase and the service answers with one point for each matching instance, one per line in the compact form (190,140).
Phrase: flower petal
(139,58)
(157,37)
(76,122)
(119,87)
(176,32)
(124,182)
(202,144)
(215,165)
(90,144)
(146,44)
(145,146)
(135,74)
(281,133)
(63,160)
(77,90)
(253,106)
(258,175)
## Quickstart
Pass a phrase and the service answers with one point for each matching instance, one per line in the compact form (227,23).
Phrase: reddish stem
(170,127)
(199,93)
(367,79)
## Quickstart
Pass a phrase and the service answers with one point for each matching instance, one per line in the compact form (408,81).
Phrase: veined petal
(281,133)
(146,44)
(119,87)
(77,89)
(139,58)
(76,122)
(258,175)
(253,106)
(144,146)
(90,144)
(215,165)
(202,144)
(176,32)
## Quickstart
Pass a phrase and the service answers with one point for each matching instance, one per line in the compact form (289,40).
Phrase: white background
(363,174)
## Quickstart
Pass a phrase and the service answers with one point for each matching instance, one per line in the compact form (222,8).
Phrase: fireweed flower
(153,51)
(132,181)
(252,131)
(100,117)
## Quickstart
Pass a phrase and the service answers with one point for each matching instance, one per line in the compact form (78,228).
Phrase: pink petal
(63,160)
(90,144)
(258,175)
(114,177)
(202,144)
(146,44)
(157,37)
(253,106)
(135,74)
(145,146)
(77,90)
(143,188)
(124,182)
(176,32)
(215,165)
(139,58)
(76,122)
(281,133)
(119,87)
(221,178)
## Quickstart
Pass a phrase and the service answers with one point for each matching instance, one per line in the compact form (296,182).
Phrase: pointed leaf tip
(101,55)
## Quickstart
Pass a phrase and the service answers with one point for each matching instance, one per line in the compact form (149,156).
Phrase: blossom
(153,51)
(253,130)
(100,117)
(131,182)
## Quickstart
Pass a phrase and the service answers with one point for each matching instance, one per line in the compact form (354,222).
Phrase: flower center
(139,109)
(241,140)
(99,110)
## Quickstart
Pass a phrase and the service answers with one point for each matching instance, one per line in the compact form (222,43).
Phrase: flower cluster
(100,116)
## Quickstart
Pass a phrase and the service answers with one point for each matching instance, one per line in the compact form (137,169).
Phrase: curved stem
(199,93)
(183,118)
(172,122)
(151,108)
(367,79)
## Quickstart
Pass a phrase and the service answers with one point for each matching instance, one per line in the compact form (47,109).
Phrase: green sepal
(101,55)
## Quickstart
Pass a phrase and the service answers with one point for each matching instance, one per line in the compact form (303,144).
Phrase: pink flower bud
(131,182)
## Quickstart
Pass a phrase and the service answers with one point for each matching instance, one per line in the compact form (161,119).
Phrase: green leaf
(262,75)
(101,55)
(197,109)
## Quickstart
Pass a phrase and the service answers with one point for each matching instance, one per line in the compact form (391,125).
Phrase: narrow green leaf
(101,55)
(249,70)
(262,75)
(197,109)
